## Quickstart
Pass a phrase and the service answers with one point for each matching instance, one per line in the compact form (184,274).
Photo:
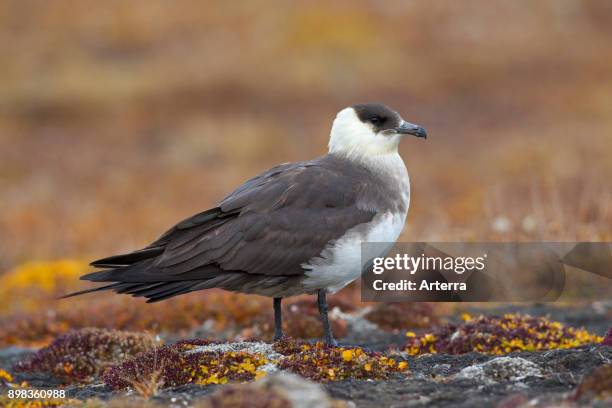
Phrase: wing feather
(268,227)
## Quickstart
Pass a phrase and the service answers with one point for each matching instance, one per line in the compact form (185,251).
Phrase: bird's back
(261,237)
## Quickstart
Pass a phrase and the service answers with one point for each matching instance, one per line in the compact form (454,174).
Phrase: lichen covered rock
(190,361)
(499,335)
(501,369)
(324,363)
(203,362)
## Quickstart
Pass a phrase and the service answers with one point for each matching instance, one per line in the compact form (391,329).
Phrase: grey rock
(501,369)
(12,355)
(299,391)
(441,370)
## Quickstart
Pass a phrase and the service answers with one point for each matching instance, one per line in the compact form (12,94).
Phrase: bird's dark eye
(375,119)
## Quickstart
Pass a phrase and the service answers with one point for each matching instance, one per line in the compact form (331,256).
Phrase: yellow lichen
(5,375)
(323,363)
(500,335)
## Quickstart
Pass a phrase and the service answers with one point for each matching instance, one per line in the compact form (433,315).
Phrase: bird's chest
(340,263)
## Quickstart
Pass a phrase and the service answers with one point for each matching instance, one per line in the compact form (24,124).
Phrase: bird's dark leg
(322,302)
(278,319)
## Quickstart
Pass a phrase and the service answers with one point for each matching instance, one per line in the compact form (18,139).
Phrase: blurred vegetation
(117,120)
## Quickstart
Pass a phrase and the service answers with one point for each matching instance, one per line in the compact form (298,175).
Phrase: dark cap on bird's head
(382,118)
(370,129)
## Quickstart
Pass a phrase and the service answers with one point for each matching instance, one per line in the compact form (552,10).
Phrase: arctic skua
(294,229)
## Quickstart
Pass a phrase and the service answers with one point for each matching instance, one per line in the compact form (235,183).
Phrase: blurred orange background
(118,119)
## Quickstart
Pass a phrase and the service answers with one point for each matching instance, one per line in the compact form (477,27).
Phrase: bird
(294,229)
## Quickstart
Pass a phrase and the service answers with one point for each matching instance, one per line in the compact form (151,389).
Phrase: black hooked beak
(406,128)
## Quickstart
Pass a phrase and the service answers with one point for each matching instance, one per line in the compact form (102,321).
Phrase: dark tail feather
(171,291)
(107,275)
(116,261)
(136,273)
(82,292)
(154,292)
(141,290)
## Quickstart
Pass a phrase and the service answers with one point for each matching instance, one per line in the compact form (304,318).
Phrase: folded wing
(262,233)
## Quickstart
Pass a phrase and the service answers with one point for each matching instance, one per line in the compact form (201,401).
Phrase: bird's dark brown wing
(269,226)
(282,220)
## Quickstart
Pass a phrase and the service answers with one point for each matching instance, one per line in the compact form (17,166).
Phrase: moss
(82,355)
(395,316)
(182,363)
(499,335)
(324,363)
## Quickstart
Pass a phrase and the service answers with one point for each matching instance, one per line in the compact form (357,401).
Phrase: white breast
(340,263)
